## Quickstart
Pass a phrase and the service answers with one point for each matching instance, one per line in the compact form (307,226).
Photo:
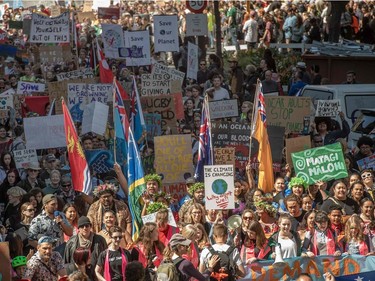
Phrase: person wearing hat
(9,68)
(85,238)
(49,164)
(32,180)
(49,223)
(15,194)
(45,264)
(323,127)
(197,192)
(236,78)
(301,67)
(179,246)
(19,266)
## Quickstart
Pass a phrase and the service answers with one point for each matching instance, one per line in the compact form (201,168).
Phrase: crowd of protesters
(54,231)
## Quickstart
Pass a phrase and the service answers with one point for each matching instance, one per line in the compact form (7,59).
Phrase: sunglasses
(202,64)
(247,218)
(86,226)
(66,185)
(368,175)
(30,210)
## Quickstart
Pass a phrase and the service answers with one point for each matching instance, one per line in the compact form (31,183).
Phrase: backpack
(168,271)
(225,265)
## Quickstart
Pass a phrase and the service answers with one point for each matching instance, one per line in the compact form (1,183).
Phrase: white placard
(44,132)
(113,39)
(152,218)
(137,48)
(196,25)
(24,156)
(6,102)
(95,117)
(154,85)
(219,187)
(75,74)
(7,93)
(25,88)
(328,108)
(192,61)
(101,3)
(223,108)
(166,33)
(50,30)
(159,68)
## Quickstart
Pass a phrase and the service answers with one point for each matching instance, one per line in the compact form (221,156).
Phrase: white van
(353,98)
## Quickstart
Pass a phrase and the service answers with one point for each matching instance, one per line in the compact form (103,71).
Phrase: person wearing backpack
(176,268)
(230,266)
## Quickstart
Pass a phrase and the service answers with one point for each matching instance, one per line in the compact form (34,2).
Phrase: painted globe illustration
(219,186)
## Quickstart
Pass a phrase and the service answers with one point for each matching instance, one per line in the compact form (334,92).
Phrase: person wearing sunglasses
(367,177)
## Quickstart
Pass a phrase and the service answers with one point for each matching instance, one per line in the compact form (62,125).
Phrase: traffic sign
(196,6)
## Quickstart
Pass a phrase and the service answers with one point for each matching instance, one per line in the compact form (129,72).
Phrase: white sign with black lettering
(24,156)
(50,30)
(196,25)
(166,34)
(328,108)
(223,108)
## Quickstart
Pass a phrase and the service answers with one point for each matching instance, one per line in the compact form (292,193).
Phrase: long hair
(15,245)
(145,238)
(81,256)
(71,205)
(196,206)
(260,236)
(24,208)
(12,164)
(189,231)
(356,220)
(204,239)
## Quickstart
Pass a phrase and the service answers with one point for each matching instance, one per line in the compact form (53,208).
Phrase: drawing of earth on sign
(219,186)
(76,112)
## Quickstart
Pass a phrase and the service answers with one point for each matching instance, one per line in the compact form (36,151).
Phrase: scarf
(193,254)
(107,274)
(85,243)
(251,251)
(331,245)
(165,235)
(142,257)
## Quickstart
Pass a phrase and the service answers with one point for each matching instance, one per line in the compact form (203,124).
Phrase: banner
(224,156)
(54,54)
(153,124)
(173,157)
(288,112)
(100,161)
(367,163)
(166,34)
(192,61)
(315,267)
(113,39)
(296,145)
(50,30)
(75,74)
(95,118)
(44,132)
(328,108)
(196,25)
(137,48)
(23,157)
(322,163)
(26,88)
(219,187)
(223,108)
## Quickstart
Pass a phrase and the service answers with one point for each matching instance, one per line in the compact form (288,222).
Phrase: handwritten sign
(196,25)
(54,54)
(328,108)
(192,61)
(24,156)
(166,33)
(75,74)
(50,30)
(296,145)
(322,163)
(6,102)
(137,48)
(219,187)
(153,124)
(223,109)
(287,112)
(367,163)
(152,218)
(113,39)
(25,88)
(174,74)
(176,190)
(224,156)
(108,13)
(153,85)
(173,157)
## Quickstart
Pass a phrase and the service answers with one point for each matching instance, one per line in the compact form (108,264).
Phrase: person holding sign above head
(323,127)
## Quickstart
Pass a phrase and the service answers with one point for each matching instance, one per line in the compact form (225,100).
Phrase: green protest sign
(322,163)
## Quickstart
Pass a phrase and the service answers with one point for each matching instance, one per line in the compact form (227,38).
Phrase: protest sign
(176,190)
(95,117)
(296,145)
(367,163)
(219,187)
(54,54)
(108,13)
(152,218)
(192,61)
(7,93)
(224,156)
(321,163)
(88,6)
(24,156)
(155,84)
(137,48)
(223,108)
(173,157)
(196,25)
(328,108)
(85,15)
(6,102)
(113,39)
(55,10)
(166,33)
(25,88)
(50,30)
(75,74)
(153,124)
(288,112)
(100,161)
(5,261)
(44,132)
(174,74)
(100,3)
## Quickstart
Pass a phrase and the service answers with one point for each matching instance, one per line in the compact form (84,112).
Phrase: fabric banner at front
(50,30)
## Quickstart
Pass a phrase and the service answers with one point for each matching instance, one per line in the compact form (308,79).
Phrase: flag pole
(252,119)
(209,125)
(113,116)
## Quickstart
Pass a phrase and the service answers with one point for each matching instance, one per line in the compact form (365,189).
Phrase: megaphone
(279,262)
(234,222)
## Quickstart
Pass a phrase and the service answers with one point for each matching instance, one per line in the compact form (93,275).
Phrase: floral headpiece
(153,177)
(104,188)
(155,206)
(271,210)
(298,181)
(195,187)
(157,195)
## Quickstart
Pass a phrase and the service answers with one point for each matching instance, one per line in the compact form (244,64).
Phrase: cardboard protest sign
(219,187)
(166,33)
(50,30)
(192,61)
(85,15)
(322,163)
(88,6)
(5,261)
(173,157)
(95,117)
(113,39)
(176,190)
(288,112)
(154,85)
(328,108)
(24,156)
(25,88)
(152,218)
(75,74)
(54,54)
(153,124)
(224,156)
(55,10)
(108,13)
(296,145)
(367,163)
(196,25)
(100,161)
(44,132)
(223,108)
(137,48)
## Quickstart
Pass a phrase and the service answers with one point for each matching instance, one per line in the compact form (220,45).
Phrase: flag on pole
(137,121)
(205,156)
(259,132)
(106,75)
(79,168)
(119,105)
